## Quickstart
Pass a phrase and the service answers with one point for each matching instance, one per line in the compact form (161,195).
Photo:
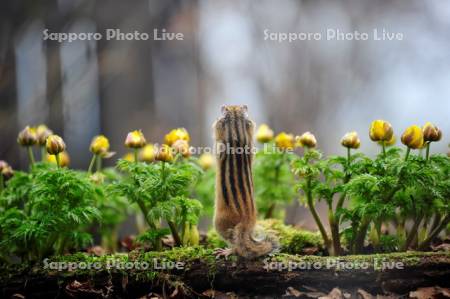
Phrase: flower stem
(99,163)
(316,217)
(408,150)
(172,225)
(30,155)
(270,211)
(43,154)
(384,148)
(334,226)
(361,235)
(2,183)
(91,165)
(175,235)
(58,161)
(348,158)
(136,155)
(427,155)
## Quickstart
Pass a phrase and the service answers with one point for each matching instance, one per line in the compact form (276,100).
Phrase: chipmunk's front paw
(225,252)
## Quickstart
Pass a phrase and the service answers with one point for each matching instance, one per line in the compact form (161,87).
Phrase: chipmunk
(235,211)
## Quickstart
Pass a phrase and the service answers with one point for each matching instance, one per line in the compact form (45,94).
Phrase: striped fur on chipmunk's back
(235,211)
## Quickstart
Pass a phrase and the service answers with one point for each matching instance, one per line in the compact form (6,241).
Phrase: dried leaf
(430,293)
(364,295)
(290,291)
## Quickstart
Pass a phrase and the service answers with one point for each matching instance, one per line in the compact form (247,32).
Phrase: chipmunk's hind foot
(225,252)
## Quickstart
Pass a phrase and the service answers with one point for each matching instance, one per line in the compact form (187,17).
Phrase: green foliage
(46,211)
(161,190)
(204,191)
(274,182)
(113,207)
(389,188)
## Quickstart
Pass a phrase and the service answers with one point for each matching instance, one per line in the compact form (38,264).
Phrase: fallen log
(191,272)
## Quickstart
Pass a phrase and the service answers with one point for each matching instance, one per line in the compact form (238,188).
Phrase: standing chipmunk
(235,211)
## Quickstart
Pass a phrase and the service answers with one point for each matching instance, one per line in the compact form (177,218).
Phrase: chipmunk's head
(234,123)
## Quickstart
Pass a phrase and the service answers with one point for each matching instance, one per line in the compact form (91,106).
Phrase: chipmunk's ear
(223,110)
(245,110)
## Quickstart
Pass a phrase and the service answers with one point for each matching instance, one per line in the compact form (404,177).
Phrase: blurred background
(84,88)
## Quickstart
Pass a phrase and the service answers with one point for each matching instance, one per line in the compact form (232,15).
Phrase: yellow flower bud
(191,235)
(177,134)
(413,137)
(431,133)
(64,159)
(351,140)
(98,178)
(307,139)
(380,130)
(182,147)
(206,161)
(128,157)
(135,139)
(99,145)
(390,142)
(147,154)
(55,145)
(3,165)
(164,153)
(27,137)
(7,172)
(42,132)
(264,134)
(284,141)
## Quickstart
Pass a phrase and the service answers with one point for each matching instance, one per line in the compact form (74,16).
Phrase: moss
(214,240)
(292,240)
(376,262)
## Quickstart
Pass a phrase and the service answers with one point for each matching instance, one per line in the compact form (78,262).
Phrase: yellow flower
(264,134)
(128,157)
(206,161)
(135,139)
(164,153)
(351,140)
(27,137)
(182,147)
(177,134)
(431,133)
(413,137)
(390,142)
(55,145)
(7,172)
(99,145)
(64,159)
(380,130)
(147,153)
(307,139)
(3,165)
(42,132)
(284,141)
(97,178)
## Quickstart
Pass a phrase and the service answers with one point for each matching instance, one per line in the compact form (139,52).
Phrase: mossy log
(200,271)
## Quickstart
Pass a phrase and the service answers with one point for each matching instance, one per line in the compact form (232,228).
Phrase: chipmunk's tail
(251,244)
